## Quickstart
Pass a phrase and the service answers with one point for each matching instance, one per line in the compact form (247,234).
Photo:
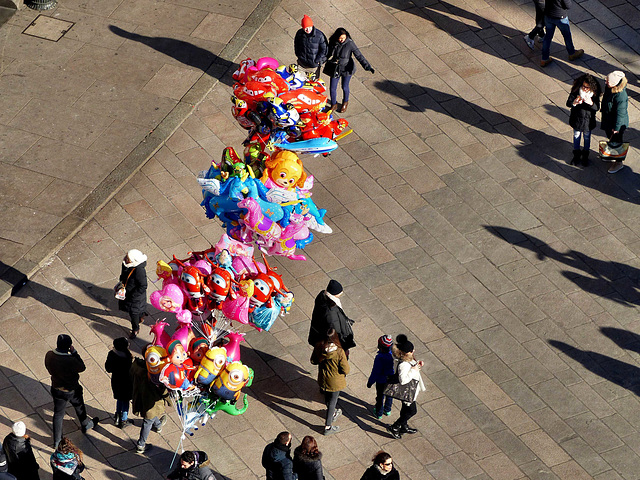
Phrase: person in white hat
(20,458)
(133,278)
(615,116)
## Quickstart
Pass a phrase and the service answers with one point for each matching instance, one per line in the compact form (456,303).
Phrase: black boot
(395,431)
(576,157)
(585,158)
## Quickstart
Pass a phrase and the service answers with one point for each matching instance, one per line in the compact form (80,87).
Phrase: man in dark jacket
(276,458)
(556,14)
(65,365)
(192,467)
(328,313)
(310,46)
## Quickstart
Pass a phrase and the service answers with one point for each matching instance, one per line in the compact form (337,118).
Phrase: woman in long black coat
(134,277)
(328,313)
(307,460)
(584,101)
(343,49)
(118,364)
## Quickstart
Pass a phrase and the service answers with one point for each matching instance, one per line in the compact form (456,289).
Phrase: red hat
(306,21)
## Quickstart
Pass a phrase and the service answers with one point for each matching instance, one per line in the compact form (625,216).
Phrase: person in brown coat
(148,401)
(333,368)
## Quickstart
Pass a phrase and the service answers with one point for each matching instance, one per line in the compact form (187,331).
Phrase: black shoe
(576,157)
(395,432)
(585,158)
(408,430)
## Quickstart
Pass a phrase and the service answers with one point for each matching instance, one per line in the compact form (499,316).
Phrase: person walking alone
(118,364)
(408,371)
(584,101)
(333,368)
(21,461)
(133,277)
(65,365)
(276,458)
(342,48)
(307,460)
(310,46)
(615,116)
(556,14)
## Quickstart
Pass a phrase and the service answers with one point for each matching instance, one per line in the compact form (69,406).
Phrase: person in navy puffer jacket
(310,46)
(382,369)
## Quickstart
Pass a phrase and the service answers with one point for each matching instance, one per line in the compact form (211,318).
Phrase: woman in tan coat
(333,368)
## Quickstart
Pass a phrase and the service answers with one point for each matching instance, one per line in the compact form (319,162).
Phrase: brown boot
(344,107)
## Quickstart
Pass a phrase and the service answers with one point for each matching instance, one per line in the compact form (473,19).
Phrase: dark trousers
(60,401)
(135,320)
(381,399)
(406,412)
(331,400)
(333,88)
(539,28)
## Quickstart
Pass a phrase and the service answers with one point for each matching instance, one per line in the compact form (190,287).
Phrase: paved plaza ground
(456,218)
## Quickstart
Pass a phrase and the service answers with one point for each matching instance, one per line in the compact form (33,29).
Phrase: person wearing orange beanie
(310,46)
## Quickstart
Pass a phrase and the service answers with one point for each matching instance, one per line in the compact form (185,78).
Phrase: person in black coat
(192,467)
(342,48)
(134,278)
(584,101)
(20,459)
(307,460)
(310,46)
(118,365)
(382,468)
(328,313)
(276,458)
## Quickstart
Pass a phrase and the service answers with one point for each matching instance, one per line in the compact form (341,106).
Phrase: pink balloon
(169,299)
(267,62)
(203,266)
(160,337)
(233,347)
(237,309)
(182,335)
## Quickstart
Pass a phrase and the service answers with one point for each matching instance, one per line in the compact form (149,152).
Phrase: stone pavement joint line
(457,221)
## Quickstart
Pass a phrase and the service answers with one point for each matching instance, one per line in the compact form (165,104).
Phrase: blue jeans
(122,407)
(147,424)
(333,87)
(576,139)
(565,30)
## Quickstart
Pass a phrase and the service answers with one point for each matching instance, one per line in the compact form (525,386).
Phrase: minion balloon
(230,381)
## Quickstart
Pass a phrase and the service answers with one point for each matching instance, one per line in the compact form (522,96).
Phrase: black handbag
(331,69)
(406,392)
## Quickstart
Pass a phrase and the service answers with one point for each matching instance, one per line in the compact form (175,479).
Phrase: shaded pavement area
(457,220)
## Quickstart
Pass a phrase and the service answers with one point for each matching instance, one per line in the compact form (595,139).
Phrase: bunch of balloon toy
(275,211)
(283,109)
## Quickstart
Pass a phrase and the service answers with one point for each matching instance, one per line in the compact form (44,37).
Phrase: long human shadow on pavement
(616,371)
(506,44)
(542,150)
(623,338)
(614,280)
(184,52)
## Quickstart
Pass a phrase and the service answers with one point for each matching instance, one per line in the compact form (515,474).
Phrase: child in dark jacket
(118,365)
(584,101)
(382,369)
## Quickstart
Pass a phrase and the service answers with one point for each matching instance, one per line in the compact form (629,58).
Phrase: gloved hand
(372,70)
(369,384)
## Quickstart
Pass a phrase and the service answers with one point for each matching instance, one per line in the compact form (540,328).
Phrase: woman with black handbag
(409,382)
(342,49)
(131,290)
